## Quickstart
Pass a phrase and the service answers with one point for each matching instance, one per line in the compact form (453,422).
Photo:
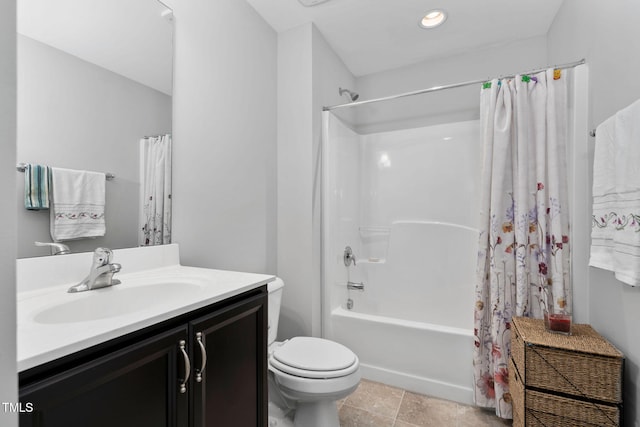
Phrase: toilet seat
(314,358)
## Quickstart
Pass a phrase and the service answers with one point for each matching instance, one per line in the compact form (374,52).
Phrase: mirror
(94,78)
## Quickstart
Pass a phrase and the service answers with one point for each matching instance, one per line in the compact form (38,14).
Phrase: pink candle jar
(559,323)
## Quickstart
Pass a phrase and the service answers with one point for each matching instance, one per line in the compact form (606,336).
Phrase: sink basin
(118,300)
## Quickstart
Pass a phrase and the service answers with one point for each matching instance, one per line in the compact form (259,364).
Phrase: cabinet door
(232,390)
(136,386)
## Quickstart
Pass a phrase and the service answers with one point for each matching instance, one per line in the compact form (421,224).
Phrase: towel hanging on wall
(615,229)
(36,187)
(77,204)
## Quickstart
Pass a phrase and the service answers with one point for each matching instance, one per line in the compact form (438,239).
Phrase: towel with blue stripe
(36,187)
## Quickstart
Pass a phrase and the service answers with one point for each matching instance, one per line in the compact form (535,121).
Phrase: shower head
(351,95)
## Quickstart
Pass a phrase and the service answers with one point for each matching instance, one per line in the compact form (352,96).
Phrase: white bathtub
(421,357)
(412,327)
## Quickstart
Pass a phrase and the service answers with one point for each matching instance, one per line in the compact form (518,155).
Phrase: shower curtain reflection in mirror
(155,178)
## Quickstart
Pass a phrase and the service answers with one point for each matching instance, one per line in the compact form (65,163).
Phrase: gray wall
(309,74)
(295,159)
(74,114)
(225,136)
(8,377)
(607,36)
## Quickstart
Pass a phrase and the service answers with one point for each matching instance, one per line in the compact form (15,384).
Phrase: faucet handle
(56,248)
(349,256)
(102,256)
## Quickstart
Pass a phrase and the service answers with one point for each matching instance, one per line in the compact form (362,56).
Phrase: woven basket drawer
(583,364)
(533,408)
(516,388)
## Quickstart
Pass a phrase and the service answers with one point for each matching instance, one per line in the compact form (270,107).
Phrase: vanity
(169,346)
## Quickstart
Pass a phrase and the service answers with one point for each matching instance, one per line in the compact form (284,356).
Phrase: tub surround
(411,327)
(46,333)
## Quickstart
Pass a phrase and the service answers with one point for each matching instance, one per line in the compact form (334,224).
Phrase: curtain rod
(452,86)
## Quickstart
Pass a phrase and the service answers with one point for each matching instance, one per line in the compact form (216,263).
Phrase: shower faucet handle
(349,257)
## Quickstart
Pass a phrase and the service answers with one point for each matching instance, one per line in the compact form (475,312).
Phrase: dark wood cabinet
(132,387)
(139,380)
(232,391)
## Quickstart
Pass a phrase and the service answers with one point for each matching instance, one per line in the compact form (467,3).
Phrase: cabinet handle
(203,351)
(187,366)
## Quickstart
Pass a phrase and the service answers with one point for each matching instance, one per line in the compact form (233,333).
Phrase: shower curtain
(523,253)
(155,212)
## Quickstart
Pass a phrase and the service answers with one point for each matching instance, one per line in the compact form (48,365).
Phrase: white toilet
(306,375)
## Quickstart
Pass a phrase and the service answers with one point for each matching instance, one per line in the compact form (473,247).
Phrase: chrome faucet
(101,273)
(56,248)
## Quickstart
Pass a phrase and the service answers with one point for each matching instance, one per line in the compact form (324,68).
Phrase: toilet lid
(314,358)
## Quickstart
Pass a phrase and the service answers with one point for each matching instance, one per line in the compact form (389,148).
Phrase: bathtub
(421,357)
(412,327)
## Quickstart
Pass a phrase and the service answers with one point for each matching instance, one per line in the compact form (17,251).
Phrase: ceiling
(377,35)
(128,37)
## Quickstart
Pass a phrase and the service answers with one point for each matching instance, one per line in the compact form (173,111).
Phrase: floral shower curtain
(523,251)
(155,212)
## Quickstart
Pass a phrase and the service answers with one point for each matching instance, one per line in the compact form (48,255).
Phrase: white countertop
(53,323)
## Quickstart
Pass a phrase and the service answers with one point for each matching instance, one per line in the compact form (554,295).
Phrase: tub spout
(357,286)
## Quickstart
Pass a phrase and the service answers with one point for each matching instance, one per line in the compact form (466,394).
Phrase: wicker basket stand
(559,380)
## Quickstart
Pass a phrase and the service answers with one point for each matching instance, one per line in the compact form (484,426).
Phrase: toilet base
(322,413)
(279,417)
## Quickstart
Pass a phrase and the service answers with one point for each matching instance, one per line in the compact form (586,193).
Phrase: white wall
(295,180)
(8,376)
(77,115)
(445,106)
(607,41)
(309,74)
(224,136)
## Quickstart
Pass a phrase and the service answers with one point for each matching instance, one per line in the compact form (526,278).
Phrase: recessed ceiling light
(433,18)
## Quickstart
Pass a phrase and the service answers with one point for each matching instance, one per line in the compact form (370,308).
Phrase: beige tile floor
(378,405)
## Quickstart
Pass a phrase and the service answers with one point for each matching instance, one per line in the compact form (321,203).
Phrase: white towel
(603,195)
(77,204)
(615,234)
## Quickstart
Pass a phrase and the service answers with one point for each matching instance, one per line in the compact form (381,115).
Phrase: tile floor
(379,405)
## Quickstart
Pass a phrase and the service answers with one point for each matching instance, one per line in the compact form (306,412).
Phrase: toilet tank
(274,301)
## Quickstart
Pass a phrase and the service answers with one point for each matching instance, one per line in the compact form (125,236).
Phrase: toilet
(307,375)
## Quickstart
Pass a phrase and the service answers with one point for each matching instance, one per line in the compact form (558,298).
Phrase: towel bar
(21,167)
